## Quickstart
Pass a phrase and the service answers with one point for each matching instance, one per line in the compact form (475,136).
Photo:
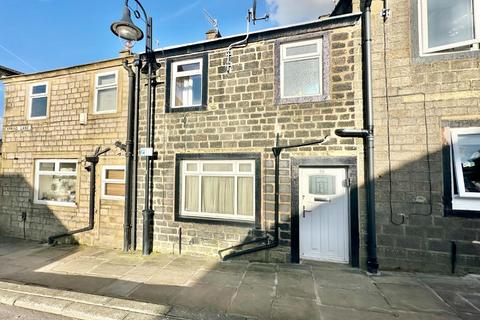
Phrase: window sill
(208,220)
(462,213)
(186,109)
(56,204)
(306,99)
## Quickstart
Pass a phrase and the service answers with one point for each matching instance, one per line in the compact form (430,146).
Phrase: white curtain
(191,193)
(217,195)
(245,196)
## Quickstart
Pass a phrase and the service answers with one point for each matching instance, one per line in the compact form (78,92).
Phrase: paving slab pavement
(94,283)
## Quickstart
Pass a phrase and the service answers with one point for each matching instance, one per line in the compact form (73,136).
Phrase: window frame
(31,96)
(255,158)
(112,181)
(104,87)
(175,74)
(283,59)
(56,172)
(423,31)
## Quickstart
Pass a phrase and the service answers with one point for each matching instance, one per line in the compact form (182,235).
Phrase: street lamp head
(125,28)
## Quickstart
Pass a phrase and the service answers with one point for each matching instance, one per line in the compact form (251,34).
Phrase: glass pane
(115,174)
(302,49)
(191,193)
(469,156)
(115,189)
(68,167)
(245,196)
(217,195)
(47,166)
(42,88)
(188,91)
(449,22)
(301,78)
(321,185)
(39,107)
(218,167)
(188,67)
(57,188)
(107,99)
(106,79)
(245,167)
(191,167)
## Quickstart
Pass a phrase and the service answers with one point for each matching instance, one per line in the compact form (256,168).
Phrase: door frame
(348,163)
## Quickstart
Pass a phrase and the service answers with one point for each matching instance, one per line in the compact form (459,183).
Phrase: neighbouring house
(5,72)
(52,121)
(221,105)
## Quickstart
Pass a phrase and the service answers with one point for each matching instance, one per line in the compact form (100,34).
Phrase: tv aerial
(251,18)
(211,20)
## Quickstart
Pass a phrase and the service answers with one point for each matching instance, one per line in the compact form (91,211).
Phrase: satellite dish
(254,10)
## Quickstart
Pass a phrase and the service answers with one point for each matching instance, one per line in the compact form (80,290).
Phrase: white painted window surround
(465,168)
(113,182)
(448,26)
(220,189)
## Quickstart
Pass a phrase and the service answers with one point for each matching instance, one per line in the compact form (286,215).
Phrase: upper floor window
(301,69)
(113,182)
(186,83)
(105,92)
(55,182)
(38,101)
(447,25)
(465,166)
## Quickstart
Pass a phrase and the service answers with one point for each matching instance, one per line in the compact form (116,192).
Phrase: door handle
(305,211)
(322,199)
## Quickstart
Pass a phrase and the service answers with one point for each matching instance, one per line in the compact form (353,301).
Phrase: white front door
(323,210)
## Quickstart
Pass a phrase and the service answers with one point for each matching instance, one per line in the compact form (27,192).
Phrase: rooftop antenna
(211,20)
(251,17)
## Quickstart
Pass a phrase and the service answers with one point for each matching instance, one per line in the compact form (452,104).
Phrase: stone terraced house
(219,109)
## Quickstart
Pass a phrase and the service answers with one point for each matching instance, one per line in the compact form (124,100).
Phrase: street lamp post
(127,30)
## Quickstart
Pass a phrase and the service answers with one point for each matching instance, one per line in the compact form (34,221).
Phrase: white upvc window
(465,168)
(220,189)
(56,182)
(113,182)
(301,69)
(105,100)
(186,84)
(447,25)
(38,101)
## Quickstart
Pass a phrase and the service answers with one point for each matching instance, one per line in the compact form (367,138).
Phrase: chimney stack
(126,50)
(213,34)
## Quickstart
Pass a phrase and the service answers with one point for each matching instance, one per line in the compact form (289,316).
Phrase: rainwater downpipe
(138,65)
(91,205)
(367,133)
(127,218)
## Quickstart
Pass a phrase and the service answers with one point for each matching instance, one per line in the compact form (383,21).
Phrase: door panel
(324,219)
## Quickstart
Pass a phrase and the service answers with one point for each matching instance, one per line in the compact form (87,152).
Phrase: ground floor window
(217,189)
(113,182)
(55,182)
(465,168)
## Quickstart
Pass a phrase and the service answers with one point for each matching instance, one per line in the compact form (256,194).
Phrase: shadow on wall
(415,228)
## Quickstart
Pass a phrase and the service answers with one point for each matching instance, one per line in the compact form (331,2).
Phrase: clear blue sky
(39,35)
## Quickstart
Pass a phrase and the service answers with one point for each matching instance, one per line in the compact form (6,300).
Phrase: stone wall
(414,98)
(242,116)
(60,136)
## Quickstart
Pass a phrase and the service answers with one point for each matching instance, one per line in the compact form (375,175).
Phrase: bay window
(55,182)
(218,189)
(465,168)
(447,25)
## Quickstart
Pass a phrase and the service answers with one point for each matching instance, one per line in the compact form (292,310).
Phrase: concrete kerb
(78,305)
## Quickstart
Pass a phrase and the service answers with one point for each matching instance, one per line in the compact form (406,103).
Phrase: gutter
(367,134)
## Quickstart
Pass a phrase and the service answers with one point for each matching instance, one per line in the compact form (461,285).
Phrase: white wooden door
(324,218)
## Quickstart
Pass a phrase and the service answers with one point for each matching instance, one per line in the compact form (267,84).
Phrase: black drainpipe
(91,211)
(277,150)
(367,133)
(127,217)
